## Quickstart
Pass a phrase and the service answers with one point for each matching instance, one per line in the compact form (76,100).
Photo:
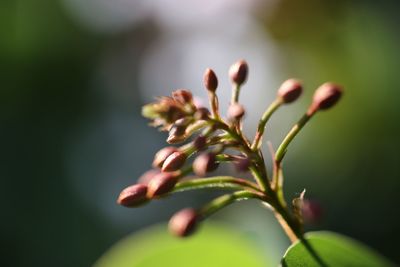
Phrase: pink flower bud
(235,112)
(200,142)
(312,211)
(238,72)
(147,176)
(162,155)
(184,222)
(176,134)
(325,97)
(174,162)
(161,184)
(210,80)
(290,90)
(133,195)
(202,114)
(242,164)
(204,163)
(182,96)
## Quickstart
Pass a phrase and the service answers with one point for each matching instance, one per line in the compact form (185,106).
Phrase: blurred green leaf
(334,250)
(212,246)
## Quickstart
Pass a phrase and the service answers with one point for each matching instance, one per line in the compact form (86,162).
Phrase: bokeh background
(74,75)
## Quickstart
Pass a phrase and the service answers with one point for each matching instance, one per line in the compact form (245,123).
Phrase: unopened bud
(176,134)
(242,164)
(202,114)
(210,80)
(161,184)
(325,97)
(184,222)
(147,176)
(183,121)
(200,142)
(133,195)
(162,155)
(174,162)
(312,211)
(204,163)
(238,72)
(183,96)
(290,90)
(235,111)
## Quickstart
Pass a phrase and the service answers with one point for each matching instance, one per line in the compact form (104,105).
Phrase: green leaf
(211,246)
(333,250)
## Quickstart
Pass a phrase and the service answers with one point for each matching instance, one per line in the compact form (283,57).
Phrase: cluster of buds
(208,137)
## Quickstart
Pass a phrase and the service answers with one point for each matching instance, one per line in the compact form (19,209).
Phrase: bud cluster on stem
(212,140)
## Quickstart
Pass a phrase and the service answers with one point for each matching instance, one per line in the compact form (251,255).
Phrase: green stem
(225,182)
(225,200)
(280,153)
(235,93)
(212,96)
(258,168)
(263,121)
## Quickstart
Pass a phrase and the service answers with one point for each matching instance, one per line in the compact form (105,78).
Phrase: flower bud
(210,80)
(204,163)
(162,155)
(235,112)
(184,222)
(133,195)
(200,142)
(238,72)
(325,97)
(182,96)
(312,211)
(161,184)
(202,114)
(176,134)
(147,176)
(290,90)
(174,161)
(183,121)
(242,164)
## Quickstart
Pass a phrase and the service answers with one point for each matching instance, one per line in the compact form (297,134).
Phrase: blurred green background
(74,75)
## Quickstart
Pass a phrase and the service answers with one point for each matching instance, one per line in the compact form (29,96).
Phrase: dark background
(75,74)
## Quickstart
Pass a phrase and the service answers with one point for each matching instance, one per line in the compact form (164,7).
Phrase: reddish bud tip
(202,114)
(162,155)
(325,97)
(238,72)
(161,184)
(210,80)
(204,163)
(242,164)
(174,162)
(235,111)
(200,142)
(184,222)
(133,195)
(183,96)
(312,211)
(147,176)
(176,134)
(290,90)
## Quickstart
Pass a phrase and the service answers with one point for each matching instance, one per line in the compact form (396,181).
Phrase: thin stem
(280,153)
(259,179)
(263,121)
(258,167)
(225,182)
(235,93)
(225,200)
(213,99)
